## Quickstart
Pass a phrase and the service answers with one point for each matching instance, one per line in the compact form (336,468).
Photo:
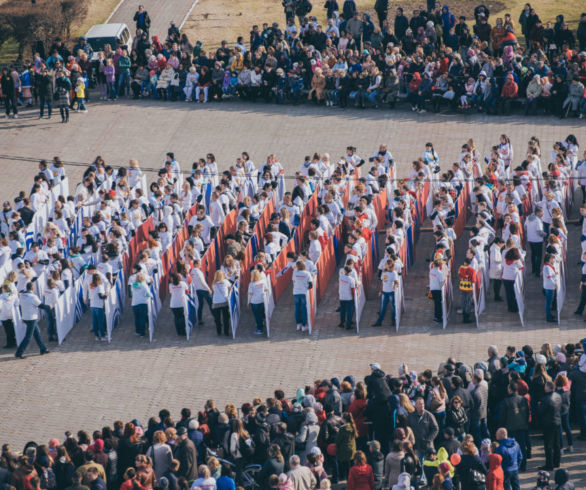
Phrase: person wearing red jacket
(509,92)
(361,476)
(495,479)
(467,277)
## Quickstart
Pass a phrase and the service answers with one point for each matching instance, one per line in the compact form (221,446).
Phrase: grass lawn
(215,20)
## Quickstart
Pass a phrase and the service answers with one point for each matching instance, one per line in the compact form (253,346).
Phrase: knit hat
(485,442)
(540,359)
(560,357)
(444,467)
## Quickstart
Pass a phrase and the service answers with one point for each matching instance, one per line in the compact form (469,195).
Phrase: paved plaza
(84,384)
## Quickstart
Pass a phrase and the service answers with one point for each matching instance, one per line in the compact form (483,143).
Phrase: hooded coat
(495,479)
(404,482)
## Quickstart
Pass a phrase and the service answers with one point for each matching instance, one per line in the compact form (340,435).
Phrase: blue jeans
(124,81)
(32,330)
(203,296)
(258,310)
(346,311)
(582,409)
(549,295)
(98,321)
(512,480)
(300,309)
(479,430)
(141,318)
(51,323)
(567,428)
(81,104)
(112,93)
(372,97)
(386,299)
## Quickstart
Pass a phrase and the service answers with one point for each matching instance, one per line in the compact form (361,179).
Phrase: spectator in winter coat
(424,428)
(361,476)
(509,92)
(512,457)
(495,479)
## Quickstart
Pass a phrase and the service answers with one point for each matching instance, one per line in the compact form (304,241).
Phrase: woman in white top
(202,290)
(8,299)
(256,297)
(141,295)
(495,269)
(231,269)
(220,297)
(315,249)
(178,290)
(272,249)
(134,174)
(511,267)
(97,295)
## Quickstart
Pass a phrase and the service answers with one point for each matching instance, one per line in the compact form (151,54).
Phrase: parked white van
(102,34)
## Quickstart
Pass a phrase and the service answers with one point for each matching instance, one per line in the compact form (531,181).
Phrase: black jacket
(550,410)
(514,413)
(45,84)
(187,457)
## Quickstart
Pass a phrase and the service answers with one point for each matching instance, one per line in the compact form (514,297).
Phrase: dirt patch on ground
(215,20)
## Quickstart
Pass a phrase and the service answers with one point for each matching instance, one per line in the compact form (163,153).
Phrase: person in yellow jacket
(80,95)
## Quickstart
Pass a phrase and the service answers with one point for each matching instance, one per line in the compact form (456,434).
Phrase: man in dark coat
(186,455)
(514,416)
(550,416)
(142,19)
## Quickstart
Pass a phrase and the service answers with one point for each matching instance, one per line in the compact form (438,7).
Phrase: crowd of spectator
(466,426)
(429,58)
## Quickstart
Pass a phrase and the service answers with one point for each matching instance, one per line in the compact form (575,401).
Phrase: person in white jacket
(302,282)
(550,285)
(346,285)
(495,268)
(97,293)
(202,290)
(178,290)
(256,297)
(315,249)
(437,279)
(535,236)
(141,295)
(8,300)
(511,267)
(29,304)
(221,288)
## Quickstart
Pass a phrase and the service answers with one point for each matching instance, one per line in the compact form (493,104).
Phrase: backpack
(246,447)
(48,480)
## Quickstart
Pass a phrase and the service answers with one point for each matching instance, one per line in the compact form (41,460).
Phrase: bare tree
(71,12)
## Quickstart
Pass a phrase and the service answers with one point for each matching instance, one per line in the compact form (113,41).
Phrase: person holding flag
(302,283)
(389,283)
(178,290)
(549,285)
(202,290)
(437,280)
(346,286)
(29,304)
(256,297)
(467,277)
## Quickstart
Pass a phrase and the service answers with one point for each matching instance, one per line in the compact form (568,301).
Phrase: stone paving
(84,384)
